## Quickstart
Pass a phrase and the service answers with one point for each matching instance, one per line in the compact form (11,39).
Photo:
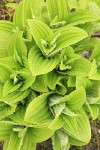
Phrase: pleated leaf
(6,129)
(17,43)
(94,74)
(94,110)
(60,140)
(40,65)
(75,100)
(80,67)
(52,79)
(40,134)
(33,10)
(40,31)
(78,129)
(6,32)
(40,84)
(5,72)
(58,8)
(15,97)
(68,36)
(6,110)
(14,141)
(18,116)
(38,111)
(57,123)
(28,144)
(81,17)
(9,87)
(96,53)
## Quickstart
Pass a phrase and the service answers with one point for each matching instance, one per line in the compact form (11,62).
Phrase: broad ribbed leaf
(10,87)
(6,32)
(5,129)
(83,81)
(96,53)
(40,134)
(68,112)
(51,79)
(94,110)
(78,128)
(58,8)
(68,36)
(81,17)
(15,97)
(57,109)
(33,10)
(57,123)
(40,84)
(40,65)
(60,88)
(18,116)
(14,141)
(16,43)
(80,67)
(28,143)
(60,140)
(6,110)
(75,100)
(40,31)
(94,74)
(38,111)
(10,61)
(5,72)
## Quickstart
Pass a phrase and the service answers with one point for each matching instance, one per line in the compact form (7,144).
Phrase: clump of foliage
(47,88)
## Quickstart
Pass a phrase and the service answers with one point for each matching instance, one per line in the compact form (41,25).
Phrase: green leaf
(58,8)
(5,72)
(81,17)
(18,116)
(94,74)
(6,32)
(60,140)
(75,99)
(40,84)
(69,35)
(40,65)
(57,123)
(6,129)
(14,141)
(67,57)
(15,97)
(83,81)
(96,53)
(10,61)
(33,10)
(94,110)
(60,88)
(52,79)
(40,134)
(10,87)
(6,110)
(40,31)
(17,43)
(28,143)
(80,67)
(78,129)
(68,112)
(38,111)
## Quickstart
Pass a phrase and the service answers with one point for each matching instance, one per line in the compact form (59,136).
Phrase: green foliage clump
(47,88)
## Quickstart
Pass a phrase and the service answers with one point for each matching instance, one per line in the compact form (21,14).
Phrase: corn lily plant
(47,88)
